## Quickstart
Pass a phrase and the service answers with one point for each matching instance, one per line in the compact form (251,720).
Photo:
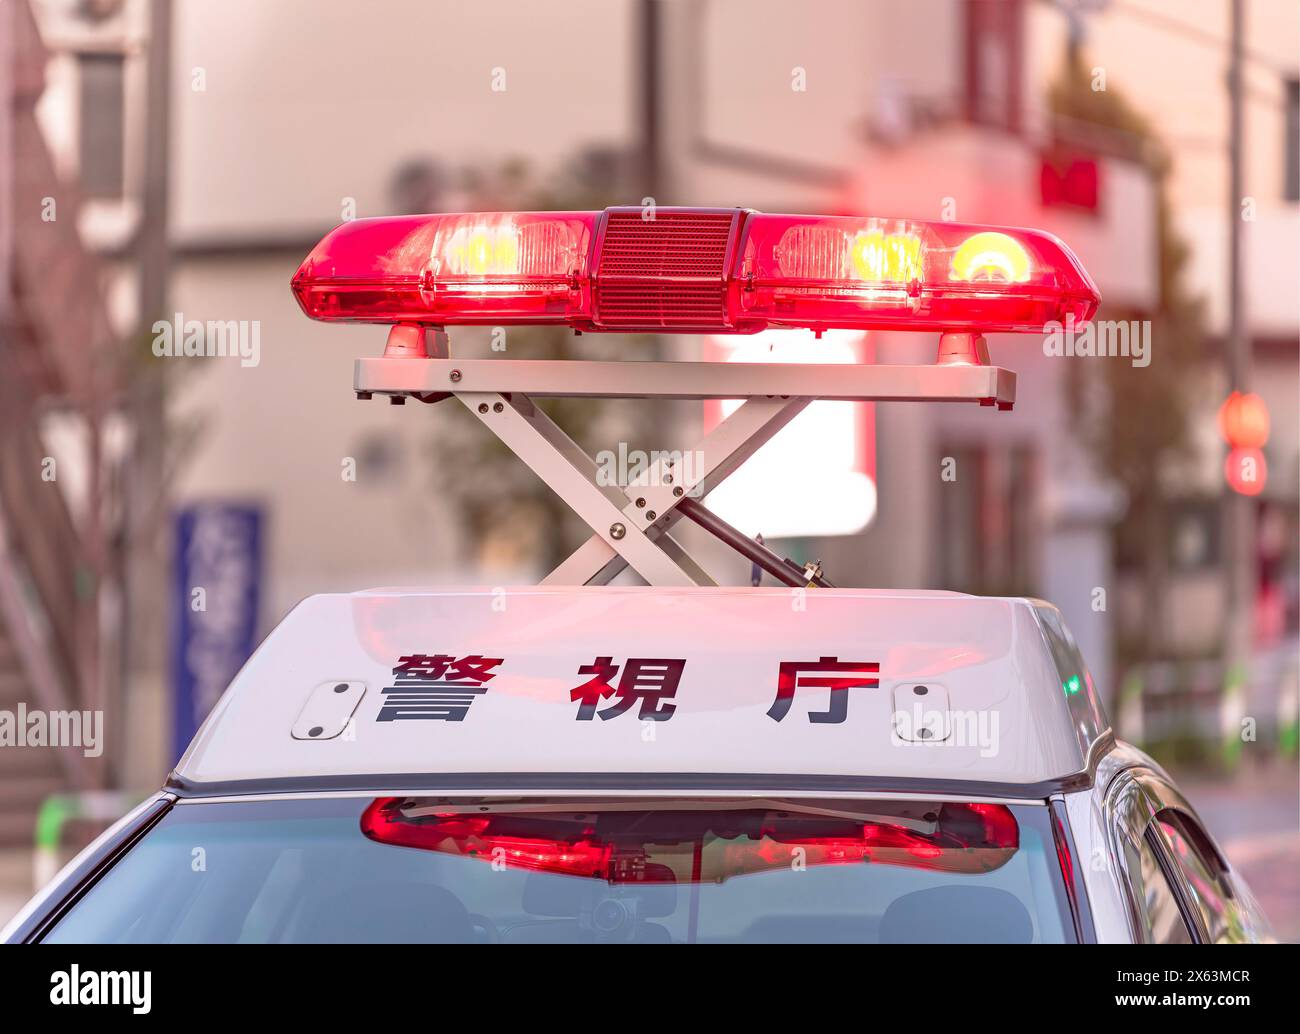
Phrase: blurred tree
(417,187)
(1134,420)
(513,522)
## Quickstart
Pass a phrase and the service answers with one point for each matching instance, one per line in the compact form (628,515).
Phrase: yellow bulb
(484,250)
(894,257)
(478,253)
(507,254)
(991,256)
(904,256)
(869,255)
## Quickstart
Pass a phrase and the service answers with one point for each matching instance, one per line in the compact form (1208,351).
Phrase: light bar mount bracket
(632,525)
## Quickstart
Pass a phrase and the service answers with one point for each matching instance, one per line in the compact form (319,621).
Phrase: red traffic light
(1243,421)
(1246,471)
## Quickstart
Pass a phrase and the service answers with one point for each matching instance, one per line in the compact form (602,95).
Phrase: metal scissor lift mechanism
(632,526)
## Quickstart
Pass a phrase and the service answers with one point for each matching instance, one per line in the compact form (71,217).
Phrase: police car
(679,762)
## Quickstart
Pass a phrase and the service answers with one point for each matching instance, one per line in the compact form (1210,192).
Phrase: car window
(413,870)
(1209,892)
(1160,919)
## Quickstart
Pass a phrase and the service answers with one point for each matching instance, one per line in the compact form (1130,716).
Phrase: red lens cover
(519,267)
(693,270)
(810,271)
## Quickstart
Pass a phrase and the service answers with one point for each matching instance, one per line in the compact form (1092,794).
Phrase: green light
(1071,685)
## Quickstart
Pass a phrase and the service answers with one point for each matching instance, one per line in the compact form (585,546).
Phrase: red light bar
(444,270)
(692,270)
(809,271)
(625,848)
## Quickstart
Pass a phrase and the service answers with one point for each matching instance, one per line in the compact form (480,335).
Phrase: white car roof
(1011,727)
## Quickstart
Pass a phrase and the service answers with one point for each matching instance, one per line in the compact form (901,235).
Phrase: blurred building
(1171,58)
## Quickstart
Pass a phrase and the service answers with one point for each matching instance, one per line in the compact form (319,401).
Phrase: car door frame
(1131,803)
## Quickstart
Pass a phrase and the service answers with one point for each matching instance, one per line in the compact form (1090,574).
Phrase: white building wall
(309,103)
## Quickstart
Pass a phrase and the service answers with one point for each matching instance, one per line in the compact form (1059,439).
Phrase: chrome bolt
(617,531)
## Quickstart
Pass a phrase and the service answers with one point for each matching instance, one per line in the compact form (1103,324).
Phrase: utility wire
(1205,37)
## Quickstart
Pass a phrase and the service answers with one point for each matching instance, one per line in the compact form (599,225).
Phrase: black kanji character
(792,675)
(647,680)
(592,692)
(437,688)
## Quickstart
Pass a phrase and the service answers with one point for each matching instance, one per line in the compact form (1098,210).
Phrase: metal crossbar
(560,378)
(632,524)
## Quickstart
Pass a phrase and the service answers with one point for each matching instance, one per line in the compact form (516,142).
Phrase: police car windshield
(415,870)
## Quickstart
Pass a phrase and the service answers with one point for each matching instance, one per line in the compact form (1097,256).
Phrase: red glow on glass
(957,838)
(1063,854)
(1065,859)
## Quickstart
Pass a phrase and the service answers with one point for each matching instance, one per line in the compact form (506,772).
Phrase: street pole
(7,18)
(151,243)
(144,708)
(1239,515)
(649,31)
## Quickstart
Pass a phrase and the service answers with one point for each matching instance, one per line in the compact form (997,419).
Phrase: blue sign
(218,579)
